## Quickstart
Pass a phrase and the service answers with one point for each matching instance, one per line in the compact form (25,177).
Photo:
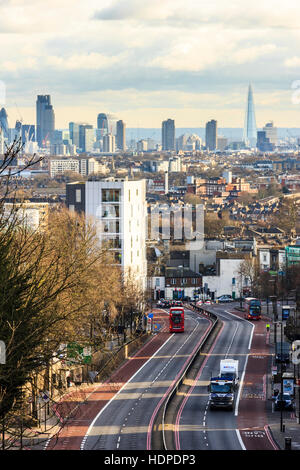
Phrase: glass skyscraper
(250,131)
(45,120)
(168,135)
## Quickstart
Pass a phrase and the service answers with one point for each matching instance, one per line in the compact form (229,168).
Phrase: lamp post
(281,378)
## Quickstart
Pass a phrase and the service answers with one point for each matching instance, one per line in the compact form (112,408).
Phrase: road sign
(150,315)
(45,396)
(157,326)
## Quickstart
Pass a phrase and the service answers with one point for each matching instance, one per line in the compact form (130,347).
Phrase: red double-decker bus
(252,308)
(176,319)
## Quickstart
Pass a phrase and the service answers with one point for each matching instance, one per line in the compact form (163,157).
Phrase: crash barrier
(214,318)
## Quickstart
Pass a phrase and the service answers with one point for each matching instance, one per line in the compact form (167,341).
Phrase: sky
(144,61)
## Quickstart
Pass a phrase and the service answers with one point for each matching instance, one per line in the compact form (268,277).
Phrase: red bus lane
(252,416)
(70,436)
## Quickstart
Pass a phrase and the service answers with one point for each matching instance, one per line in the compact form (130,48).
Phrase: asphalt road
(198,427)
(125,423)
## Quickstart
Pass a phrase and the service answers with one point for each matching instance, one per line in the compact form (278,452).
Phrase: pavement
(270,419)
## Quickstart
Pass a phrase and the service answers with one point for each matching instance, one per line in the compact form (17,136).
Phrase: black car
(285,403)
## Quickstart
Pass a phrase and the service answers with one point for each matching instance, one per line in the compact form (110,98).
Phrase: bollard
(287,443)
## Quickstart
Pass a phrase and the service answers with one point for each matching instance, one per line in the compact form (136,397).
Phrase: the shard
(250,131)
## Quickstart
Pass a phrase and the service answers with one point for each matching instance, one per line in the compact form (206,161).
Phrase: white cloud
(293,62)
(90,61)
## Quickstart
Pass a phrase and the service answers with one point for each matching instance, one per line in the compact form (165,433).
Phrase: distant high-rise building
(45,119)
(4,123)
(222,143)
(74,133)
(109,143)
(102,124)
(263,142)
(18,129)
(250,132)
(86,137)
(211,135)
(168,135)
(121,137)
(271,132)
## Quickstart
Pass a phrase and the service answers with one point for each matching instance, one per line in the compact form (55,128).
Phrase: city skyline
(182,60)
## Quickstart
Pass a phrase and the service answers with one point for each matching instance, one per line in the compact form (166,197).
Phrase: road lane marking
(240,439)
(119,391)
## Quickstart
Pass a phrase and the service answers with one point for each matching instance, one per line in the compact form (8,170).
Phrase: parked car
(200,302)
(178,303)
(285,403)
(161,303)
(225,298)
(208,302)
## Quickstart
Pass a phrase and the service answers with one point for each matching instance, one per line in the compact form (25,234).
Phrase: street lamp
(281,378)
(273,299)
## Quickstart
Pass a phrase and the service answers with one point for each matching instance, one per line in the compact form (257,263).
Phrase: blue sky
(147,61)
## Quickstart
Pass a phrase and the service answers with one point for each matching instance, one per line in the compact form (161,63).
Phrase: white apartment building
(119,208)
(59,166)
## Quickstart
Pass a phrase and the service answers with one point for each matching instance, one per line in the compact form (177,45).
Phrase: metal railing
(193,357)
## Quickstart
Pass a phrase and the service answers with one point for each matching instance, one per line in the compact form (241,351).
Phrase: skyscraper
(102,123)
(74,133)
(168,135)
(121,139)
(211,134)
(45,119)
(4,122)
(86,137)
(109,143)
(250,132)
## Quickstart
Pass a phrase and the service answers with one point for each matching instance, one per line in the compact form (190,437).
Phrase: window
(184,280)
(233,281)
(110,195)
(194,280)
(157,282)
(110,211)
(129,195)
(173,281)
(71,207)
(78,195)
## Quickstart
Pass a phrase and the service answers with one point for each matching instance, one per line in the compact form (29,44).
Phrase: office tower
(102,124)
(222,143)
(121,139)
(4,123)
(263,142)
(211,135)
(74,133)
(250,132)
(28,133)
(45,120)
(86,137)
(109,143)
(142,145)
(18,129)
(168,135)
(271,132)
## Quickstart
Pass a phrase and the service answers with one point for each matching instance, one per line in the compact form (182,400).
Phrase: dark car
(177,303)
(285,403)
